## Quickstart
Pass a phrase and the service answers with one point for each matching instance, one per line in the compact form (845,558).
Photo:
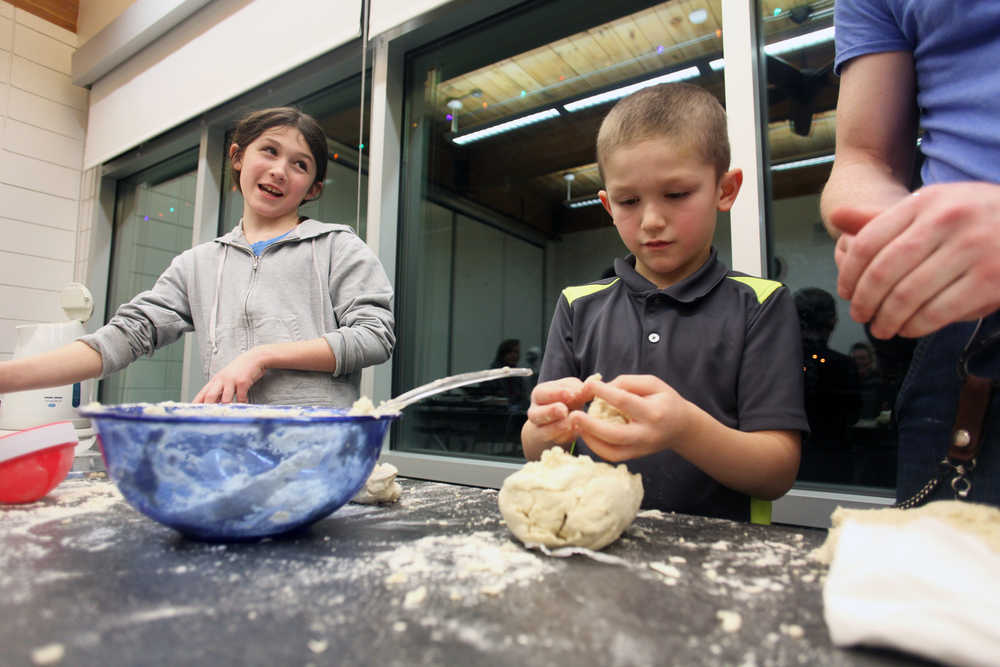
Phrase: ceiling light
(717,64)
(583,201)
(618,93)
(802,41)
(507,126)
(698,16)
(797,164)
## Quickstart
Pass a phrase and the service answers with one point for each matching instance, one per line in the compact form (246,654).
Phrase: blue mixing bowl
(236,472)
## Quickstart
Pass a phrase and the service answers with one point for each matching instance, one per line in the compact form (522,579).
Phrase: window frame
(744,81)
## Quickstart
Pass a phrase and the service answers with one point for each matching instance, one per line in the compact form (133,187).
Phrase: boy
(718,418)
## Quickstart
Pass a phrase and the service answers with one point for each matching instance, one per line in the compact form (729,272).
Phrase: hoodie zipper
(254,265)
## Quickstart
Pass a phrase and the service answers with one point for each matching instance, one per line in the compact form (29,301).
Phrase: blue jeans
(926,406)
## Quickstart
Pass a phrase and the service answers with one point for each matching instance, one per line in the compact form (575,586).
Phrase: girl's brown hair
(259,122)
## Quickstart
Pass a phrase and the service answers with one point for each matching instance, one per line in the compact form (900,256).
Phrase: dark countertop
(434,579)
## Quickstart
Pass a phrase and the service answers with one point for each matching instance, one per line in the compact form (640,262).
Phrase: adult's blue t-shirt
(956,51)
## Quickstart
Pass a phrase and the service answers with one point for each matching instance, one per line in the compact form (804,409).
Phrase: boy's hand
(233,382)
(657,412)
(551,406)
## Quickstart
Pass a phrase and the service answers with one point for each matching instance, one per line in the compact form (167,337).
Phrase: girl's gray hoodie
(319,280)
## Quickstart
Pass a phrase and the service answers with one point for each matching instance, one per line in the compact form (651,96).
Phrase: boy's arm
(558,392)
(762,464)
(65,365)
(234,381)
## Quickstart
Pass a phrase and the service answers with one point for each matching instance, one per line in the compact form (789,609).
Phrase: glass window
(154,216)
(499,207)
(337,109)
(851,378)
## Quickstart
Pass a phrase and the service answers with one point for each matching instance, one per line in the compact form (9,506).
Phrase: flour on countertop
(68,505)
(49,654)
(731,620)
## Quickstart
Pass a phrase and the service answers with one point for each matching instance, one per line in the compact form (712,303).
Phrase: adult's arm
(876,137)
(910,265)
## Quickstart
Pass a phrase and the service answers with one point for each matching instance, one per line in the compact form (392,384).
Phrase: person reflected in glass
(513,389)
(871,385)
(832,391)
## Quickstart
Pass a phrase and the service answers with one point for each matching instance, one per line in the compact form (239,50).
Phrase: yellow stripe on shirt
(762,287)
(574,293)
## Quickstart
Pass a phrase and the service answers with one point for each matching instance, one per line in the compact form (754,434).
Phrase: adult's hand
(929,260)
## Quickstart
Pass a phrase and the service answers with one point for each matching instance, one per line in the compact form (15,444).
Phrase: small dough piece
(565,500)
(976,519)
(601,409)
(362,406)
(381,486)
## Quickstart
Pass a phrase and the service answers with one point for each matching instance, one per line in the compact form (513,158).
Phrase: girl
(289,309)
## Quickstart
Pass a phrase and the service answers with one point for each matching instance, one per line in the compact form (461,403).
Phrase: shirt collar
(695,286)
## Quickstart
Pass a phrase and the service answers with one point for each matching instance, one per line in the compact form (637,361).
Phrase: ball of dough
(380,487)
(565,500)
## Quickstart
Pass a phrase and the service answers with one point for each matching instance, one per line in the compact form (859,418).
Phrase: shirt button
(654,337)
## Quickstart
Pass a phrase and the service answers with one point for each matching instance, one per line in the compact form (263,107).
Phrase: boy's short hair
(679,111)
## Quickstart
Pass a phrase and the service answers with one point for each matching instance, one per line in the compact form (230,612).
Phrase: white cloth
(926,587)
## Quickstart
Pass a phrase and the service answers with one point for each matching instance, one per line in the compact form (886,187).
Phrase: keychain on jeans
(967,431)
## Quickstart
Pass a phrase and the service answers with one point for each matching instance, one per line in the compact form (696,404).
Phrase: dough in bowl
(565,500)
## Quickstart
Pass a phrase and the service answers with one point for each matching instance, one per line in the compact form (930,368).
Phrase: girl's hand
(551,404)
(658,416)
(233,382)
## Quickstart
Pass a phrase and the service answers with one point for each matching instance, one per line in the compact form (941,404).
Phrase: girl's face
(277,172)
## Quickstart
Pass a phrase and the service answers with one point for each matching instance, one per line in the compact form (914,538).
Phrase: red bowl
(28,478)
(34,461)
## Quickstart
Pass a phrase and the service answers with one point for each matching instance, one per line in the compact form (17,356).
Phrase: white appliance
(27,409)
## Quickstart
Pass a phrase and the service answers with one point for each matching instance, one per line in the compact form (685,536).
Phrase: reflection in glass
(499,206)
(154,216)
(851,378)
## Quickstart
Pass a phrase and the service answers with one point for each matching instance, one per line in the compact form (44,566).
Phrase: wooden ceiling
(62,13)
(522,174)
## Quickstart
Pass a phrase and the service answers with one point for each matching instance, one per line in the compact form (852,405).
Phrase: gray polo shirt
(725,341)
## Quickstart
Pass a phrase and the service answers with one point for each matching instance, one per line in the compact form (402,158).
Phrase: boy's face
(663,198)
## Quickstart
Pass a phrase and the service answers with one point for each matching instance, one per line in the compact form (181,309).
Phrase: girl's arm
(234,381)
(65,365)
(362,304)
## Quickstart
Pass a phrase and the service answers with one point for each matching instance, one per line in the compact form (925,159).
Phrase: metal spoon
(447,383)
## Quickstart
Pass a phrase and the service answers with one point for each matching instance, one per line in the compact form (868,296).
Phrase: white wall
(94,15)
(44,120)
(211,57)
